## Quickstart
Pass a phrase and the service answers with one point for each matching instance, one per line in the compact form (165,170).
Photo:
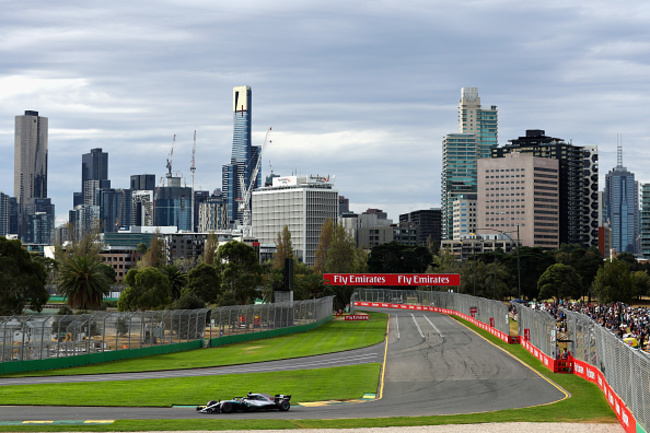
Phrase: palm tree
(83,280)
(177,279)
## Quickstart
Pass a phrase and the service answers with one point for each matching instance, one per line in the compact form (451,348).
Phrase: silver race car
(252,402)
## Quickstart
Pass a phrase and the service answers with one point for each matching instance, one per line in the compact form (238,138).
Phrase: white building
(301,203)
(464,216)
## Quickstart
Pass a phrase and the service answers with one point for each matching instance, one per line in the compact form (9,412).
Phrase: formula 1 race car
(249,403)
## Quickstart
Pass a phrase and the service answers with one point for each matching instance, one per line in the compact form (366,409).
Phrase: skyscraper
(578,182)
(244,154)
(622,198)
(94,174)
(478,136)
(30,160)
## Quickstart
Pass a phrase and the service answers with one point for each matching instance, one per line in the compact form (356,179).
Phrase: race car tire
(226,407)
(210,403)
(284,405)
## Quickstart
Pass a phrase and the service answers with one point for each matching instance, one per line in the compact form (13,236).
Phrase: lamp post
(495,259)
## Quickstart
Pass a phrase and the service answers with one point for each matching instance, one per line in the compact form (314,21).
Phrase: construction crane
(169,158)
(245,201)
(119,215)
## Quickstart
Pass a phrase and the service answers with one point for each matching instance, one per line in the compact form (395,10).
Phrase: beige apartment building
(519,193)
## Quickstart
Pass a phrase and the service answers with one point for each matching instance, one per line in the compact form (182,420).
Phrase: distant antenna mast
(619,150)
(193,170)
(193,164)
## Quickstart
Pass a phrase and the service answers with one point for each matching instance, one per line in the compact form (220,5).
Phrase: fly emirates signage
(392,279)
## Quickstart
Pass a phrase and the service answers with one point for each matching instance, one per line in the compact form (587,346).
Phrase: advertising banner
(392,279)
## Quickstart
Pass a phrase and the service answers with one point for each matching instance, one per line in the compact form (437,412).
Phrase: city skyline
(363,94)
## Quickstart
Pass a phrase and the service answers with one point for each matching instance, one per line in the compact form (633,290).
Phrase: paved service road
(434,366)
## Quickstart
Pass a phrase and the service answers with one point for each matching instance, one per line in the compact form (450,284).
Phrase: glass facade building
(173,207)
(244,155)
(30,161)
(477,137)
(622,197)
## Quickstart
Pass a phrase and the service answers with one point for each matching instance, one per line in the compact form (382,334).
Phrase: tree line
(231,274)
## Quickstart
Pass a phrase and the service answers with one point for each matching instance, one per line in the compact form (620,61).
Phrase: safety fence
(621,371)
(27,339)
(487,311)
(539,329)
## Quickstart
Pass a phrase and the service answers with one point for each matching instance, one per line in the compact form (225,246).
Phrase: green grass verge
(587,404)
(342,383)
(334,336)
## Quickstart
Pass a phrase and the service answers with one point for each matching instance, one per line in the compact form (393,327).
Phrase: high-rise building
(173,205)
(477,137)
(142,207)
(143,182)
(94,174)
(519,195)
(30,160)
(199,197)
(5,214)
(114,208)
(622,198)
(464,215)
(428,222)
(213,213)
(645,221)
(301,203)
(578,182)
(244,155)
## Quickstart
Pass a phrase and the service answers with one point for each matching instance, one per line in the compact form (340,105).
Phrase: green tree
(324,241)
(586,262)
(188,301)
(614,283)
(533,261)
(240,273)
(147,289)
(22,280)
(477,278)
(559,281)
(204,283)
(642,283)
(141,248)
(343,256)
(284,249)
(84,281)
(397,258)
(177,279)
(210,248)
(155,255)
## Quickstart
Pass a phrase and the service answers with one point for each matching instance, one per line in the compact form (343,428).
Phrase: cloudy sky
(364,90)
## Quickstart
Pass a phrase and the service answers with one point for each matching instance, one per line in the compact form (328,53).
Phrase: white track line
(397,324)
(417,326)
(434,327)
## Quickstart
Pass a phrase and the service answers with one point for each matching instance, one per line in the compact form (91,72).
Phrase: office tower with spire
(244,154)
(477,138)
(622,206)
(30,171)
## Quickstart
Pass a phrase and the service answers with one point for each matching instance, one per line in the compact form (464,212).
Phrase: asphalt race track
(434,366)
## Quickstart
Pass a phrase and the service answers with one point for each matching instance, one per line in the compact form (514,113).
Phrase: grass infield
(587,404)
